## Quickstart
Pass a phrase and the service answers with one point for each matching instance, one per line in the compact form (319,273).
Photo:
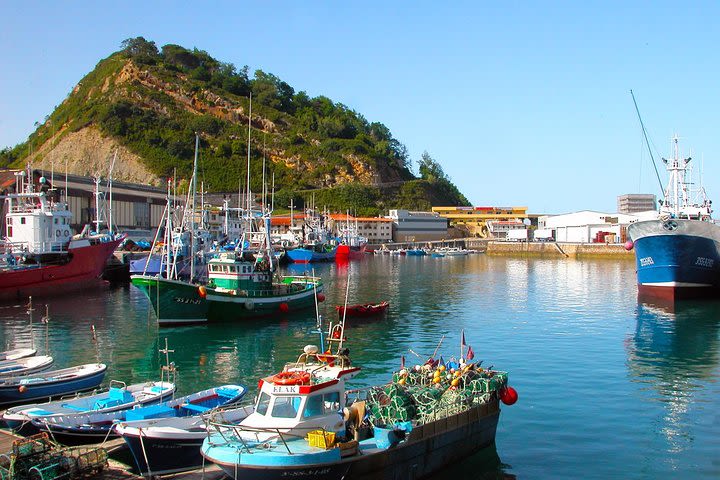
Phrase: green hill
(150,103)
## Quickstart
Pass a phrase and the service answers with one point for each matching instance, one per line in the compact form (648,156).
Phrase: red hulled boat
(39,254)
(363,310)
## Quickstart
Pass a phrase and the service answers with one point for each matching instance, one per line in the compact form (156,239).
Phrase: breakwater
(559,250)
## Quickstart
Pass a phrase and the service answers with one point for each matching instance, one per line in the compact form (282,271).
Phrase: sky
(522,103)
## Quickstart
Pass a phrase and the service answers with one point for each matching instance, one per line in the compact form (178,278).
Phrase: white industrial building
(587,226)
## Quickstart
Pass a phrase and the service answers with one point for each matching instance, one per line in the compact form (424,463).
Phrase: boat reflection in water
(484,465)
(674,352)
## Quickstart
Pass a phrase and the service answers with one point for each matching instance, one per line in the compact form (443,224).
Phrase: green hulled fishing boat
(240,285)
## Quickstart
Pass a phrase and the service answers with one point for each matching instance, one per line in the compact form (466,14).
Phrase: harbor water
(609,387)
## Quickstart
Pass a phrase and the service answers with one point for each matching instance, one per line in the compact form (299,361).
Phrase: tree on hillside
(429,169)
(140,50)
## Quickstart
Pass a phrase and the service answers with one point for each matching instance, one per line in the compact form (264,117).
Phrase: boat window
(263,403)
(286,407)
(313,406)
(22,220)
(322,404)
(332,402)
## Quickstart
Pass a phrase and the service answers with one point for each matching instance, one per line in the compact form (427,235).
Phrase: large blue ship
(677,252)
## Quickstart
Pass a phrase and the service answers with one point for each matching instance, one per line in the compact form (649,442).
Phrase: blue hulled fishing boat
(308,423)
(117,397)
(678,251)
(54,383)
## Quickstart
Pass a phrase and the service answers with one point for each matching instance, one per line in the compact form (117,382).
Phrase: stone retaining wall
(560,250)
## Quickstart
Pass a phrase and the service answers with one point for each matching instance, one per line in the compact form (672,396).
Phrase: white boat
(24,366)
(17,353)
(162,446)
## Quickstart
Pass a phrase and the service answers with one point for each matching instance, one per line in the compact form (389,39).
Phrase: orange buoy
(202,292)
(508,395)
(291,378)
(22,389)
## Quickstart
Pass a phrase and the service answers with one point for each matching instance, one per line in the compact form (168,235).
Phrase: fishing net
(424,393)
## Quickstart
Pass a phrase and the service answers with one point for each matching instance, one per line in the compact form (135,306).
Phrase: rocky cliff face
(89,152)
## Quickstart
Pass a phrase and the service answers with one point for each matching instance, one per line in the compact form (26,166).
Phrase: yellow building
(474,220)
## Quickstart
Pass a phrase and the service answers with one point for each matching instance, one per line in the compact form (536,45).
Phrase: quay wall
(560,250)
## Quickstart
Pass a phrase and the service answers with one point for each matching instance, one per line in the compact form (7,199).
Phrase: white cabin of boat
(307,395)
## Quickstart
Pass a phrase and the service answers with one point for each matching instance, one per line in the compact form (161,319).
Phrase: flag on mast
(470,353)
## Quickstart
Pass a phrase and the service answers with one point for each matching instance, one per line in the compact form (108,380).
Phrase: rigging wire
(647,142)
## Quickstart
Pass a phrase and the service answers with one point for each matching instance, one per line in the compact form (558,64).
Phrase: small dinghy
(162,446)
(53,383)
(363,310)
(117,397)
(17,353)
(96,427)
(24,366)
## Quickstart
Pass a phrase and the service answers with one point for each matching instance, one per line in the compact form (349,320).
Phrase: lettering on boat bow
(189,301)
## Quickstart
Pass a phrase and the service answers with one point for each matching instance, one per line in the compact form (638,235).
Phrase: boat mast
(192,211)
(247,200)
(112,167)
(97,204)
(168,234)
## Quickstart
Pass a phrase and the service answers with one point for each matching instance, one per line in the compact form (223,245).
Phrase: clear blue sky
(522,103)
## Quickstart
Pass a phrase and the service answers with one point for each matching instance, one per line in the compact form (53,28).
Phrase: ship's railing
(242,436)
(33,247)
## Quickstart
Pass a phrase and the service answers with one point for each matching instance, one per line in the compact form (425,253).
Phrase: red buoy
(321,297)
(22,389)
(284,307)
(508,395)
(629,245)
(202,292)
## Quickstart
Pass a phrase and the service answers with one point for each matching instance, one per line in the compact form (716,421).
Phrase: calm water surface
(609,387)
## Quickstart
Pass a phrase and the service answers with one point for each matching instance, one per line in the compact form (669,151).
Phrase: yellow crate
(321,439)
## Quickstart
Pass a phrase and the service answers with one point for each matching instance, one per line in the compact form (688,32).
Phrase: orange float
(291,378)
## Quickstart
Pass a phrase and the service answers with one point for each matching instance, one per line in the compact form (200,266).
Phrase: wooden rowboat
(364,309)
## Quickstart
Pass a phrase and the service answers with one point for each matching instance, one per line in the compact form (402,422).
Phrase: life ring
(249,304)
(291,378)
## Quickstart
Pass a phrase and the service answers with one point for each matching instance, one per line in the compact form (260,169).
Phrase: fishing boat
(118,396)
(95,427)
(24,366)
(242,283)
(316,243)
(53,383)
(363,309)
(17,353)
(319,252)
(352,245)
(39,255)
(420,422)
(677,251)
(166,445)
